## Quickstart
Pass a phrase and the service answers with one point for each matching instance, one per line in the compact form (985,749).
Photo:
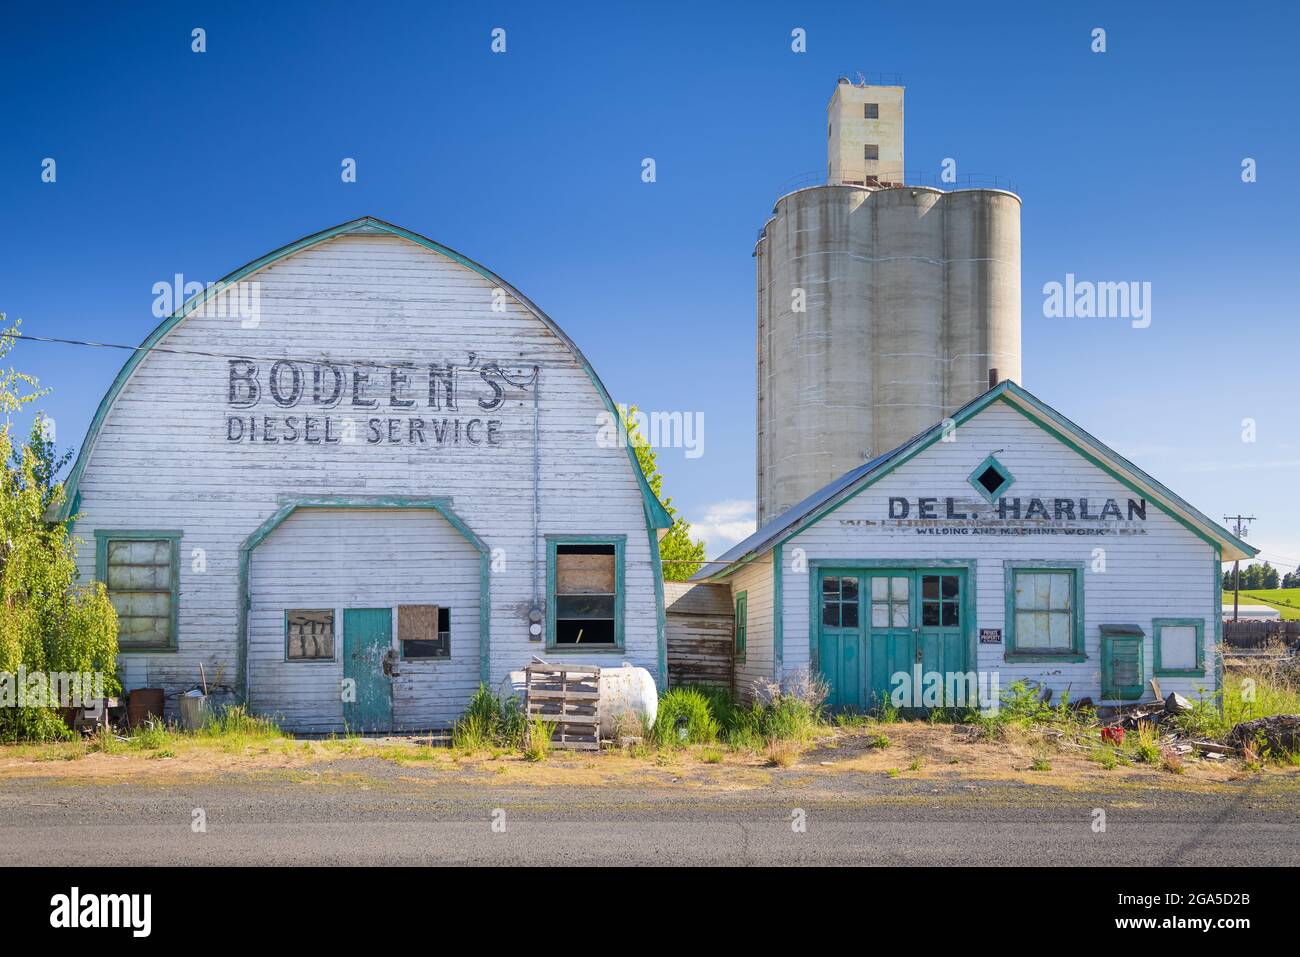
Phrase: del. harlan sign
(314,389)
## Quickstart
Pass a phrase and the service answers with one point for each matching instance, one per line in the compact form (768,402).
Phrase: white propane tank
(627,695)
(627,698)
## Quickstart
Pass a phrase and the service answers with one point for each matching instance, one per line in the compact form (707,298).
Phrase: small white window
(1178,646)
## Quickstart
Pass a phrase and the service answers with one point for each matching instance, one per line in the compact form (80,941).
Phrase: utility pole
(1239,529)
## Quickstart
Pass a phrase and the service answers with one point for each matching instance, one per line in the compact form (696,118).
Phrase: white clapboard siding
(362,558)
(1168,572)
(162,460)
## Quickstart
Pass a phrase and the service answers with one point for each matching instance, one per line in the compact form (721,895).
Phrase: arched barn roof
(656,514)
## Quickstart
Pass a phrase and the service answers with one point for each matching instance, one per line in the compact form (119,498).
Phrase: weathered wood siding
(701,634)
(362,558)
(163,460)
(1167,572)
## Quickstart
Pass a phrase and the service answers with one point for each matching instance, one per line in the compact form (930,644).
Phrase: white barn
(355,479)
(1005,542)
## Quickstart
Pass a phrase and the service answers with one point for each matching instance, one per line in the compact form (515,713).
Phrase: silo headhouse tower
(883,304)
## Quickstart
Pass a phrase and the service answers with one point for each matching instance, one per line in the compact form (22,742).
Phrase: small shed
(700,632)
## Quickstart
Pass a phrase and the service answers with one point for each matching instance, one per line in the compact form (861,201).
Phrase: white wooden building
(355,479)
(1003,542)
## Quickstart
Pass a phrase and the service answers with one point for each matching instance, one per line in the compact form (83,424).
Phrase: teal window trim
(620,547)
(1077,650)
(105,535)
(1199,624)
(1008,479)
(741,625)
(312,661)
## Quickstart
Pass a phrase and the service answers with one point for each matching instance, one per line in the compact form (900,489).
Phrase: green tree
(48,623)
(681,555)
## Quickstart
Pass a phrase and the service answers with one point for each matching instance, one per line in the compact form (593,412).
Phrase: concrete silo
(881,307)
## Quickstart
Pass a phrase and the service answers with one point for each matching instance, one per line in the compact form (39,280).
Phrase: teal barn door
(877,623)
(367,637)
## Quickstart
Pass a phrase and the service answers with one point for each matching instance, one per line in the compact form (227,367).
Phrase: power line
(247,357)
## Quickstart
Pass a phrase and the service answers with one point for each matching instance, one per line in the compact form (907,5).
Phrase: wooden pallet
(567,696)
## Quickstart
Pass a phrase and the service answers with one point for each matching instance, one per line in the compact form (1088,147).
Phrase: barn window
(141,572)
(309,634)
(871,111)
(424,631)
(584,592)
(1044,611)
(742,624)
(870,151)
(1179,646)
(990,479)
(840,601)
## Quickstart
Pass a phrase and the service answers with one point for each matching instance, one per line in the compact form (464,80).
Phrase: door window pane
(880,614)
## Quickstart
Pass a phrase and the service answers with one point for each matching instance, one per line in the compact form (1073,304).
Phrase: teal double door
(368,690)
(876,624)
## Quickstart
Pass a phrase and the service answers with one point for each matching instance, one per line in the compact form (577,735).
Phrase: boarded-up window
(1178,646)
(309,634)
(586,594)
(424,631)
(1044,611)
(140,575)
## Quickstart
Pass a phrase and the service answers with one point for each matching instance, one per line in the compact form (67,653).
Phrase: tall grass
(1260,690)
(489,721)
(789,715)
(686,716)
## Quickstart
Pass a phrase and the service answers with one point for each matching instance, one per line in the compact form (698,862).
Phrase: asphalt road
(269,821)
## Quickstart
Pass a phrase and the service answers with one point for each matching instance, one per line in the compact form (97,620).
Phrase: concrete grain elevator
(882,307)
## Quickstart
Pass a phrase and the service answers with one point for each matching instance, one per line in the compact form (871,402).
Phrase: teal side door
(368,700)
(878,623)
(942,636)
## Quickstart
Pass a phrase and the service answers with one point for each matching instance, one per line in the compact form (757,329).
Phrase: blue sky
(1129,163)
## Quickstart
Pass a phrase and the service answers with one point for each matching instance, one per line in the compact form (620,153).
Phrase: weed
(1146,744)
(1040,763)
(879,740)
(711,756)
(781,753)
(915,765)
(537,740)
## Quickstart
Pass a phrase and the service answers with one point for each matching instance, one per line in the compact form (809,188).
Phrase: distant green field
(1285,600)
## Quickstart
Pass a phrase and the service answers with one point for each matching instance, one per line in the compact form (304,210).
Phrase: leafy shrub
(48,623)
